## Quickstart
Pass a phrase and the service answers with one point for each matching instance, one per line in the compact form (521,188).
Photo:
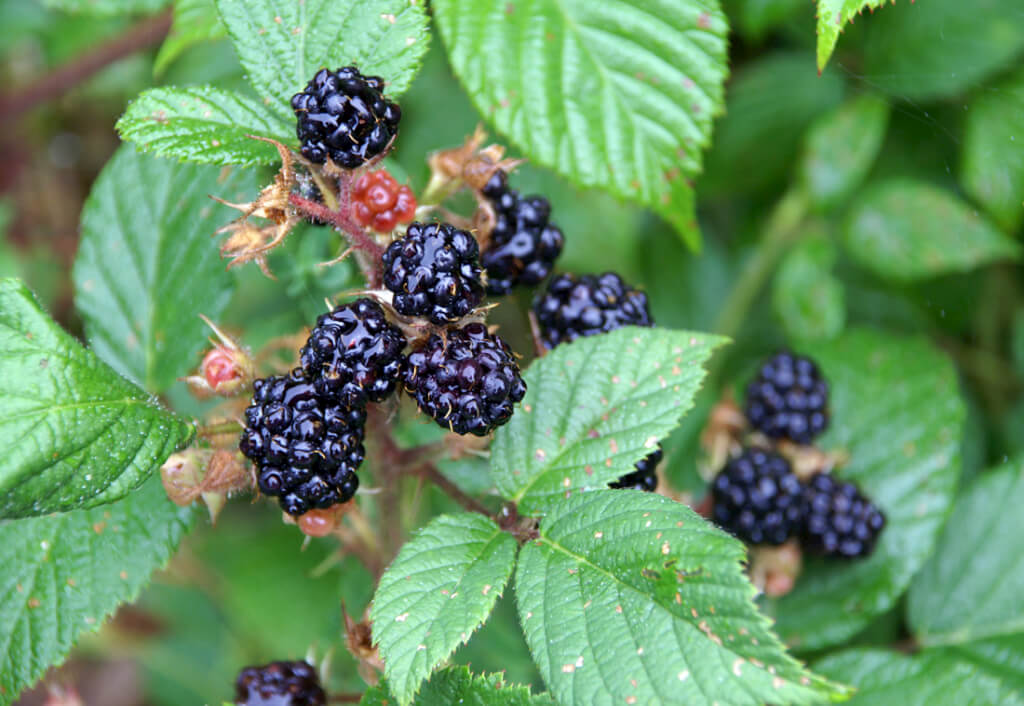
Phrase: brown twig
(149,32)
(430,472)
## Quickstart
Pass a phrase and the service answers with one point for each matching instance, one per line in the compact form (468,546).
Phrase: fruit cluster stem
(430,472)
(358,238)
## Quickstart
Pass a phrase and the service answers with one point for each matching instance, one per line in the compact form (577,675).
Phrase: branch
(355,235)
(429,472)
(147,33)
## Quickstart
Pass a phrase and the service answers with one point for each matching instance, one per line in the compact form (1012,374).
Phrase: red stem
(356,236)
(429,471)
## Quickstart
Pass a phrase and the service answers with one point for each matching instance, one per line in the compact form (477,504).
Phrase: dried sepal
(359,641)
(774,570)
(204,473)
(722,436)
(471,163)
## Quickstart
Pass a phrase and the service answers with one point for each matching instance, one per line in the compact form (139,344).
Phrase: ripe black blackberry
(524,243)
(840,521)
(345,116)
(644,477)
(434,272)
(587,305)
(758,498)
(305,451)
(788,399)
(279,684)
(466,379)
(354,355)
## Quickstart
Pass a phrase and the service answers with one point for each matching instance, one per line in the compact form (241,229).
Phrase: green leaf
(905,230)
(77,434)
(107,7)
(1001,657)
(195,21)
(281,45)
(147,267)
(440,588)
(205,125)
(456,685)
(941,48)
(896,411)
(770,103)
(628,597)
(64,574)
(884,677)
(970,588)
(993,158)
(841,147)
(832,17)
(808,299)
(618,95)
(593,408)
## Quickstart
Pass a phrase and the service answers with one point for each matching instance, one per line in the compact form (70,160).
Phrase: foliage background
(939,80)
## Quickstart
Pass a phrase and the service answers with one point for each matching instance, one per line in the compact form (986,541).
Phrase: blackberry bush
(344,116)
(524,244)
(758,498)
(466,379)
(354,355)
(840,521)
(788,399)
(279,684)
(306,451)
(588,305)
(434,272)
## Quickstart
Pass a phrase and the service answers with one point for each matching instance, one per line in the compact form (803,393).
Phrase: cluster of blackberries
(345,116)
(524,243)
(758,498)
(279,684)
(576,306)
(304,431)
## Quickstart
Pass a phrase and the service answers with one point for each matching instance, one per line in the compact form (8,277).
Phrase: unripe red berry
(380,203)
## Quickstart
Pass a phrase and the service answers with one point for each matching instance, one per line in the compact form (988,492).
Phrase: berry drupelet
(644,477)
(353,355)
(279,684)
(466,379)
(305,452)
(587,305)
(434,272)
(840,521)
(758,498)
(788,399)
(345,116)
(380,203)
(524,243)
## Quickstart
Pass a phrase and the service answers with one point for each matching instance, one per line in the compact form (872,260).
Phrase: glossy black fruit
(788,399)
(466,379)
(306,452)
(353,355)
(758,498)
(345,116)
(644,477)
(434,272)
(840,521)
(279,684)
(588,305)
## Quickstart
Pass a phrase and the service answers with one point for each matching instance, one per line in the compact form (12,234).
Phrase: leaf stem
(782,230)
(430,472)
(142,35)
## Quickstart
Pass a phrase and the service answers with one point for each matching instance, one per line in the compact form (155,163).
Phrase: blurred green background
(220,605)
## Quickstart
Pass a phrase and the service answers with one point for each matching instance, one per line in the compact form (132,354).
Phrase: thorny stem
(357,237)
(147,33)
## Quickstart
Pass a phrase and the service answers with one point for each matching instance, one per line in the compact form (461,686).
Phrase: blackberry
(644,477)
(840,521)
(354,355)
(434,272)
(524,243)
(757,498)
(466,379)
(588,305)
(279,684)
(345,116)
(788,399)
(305,452)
